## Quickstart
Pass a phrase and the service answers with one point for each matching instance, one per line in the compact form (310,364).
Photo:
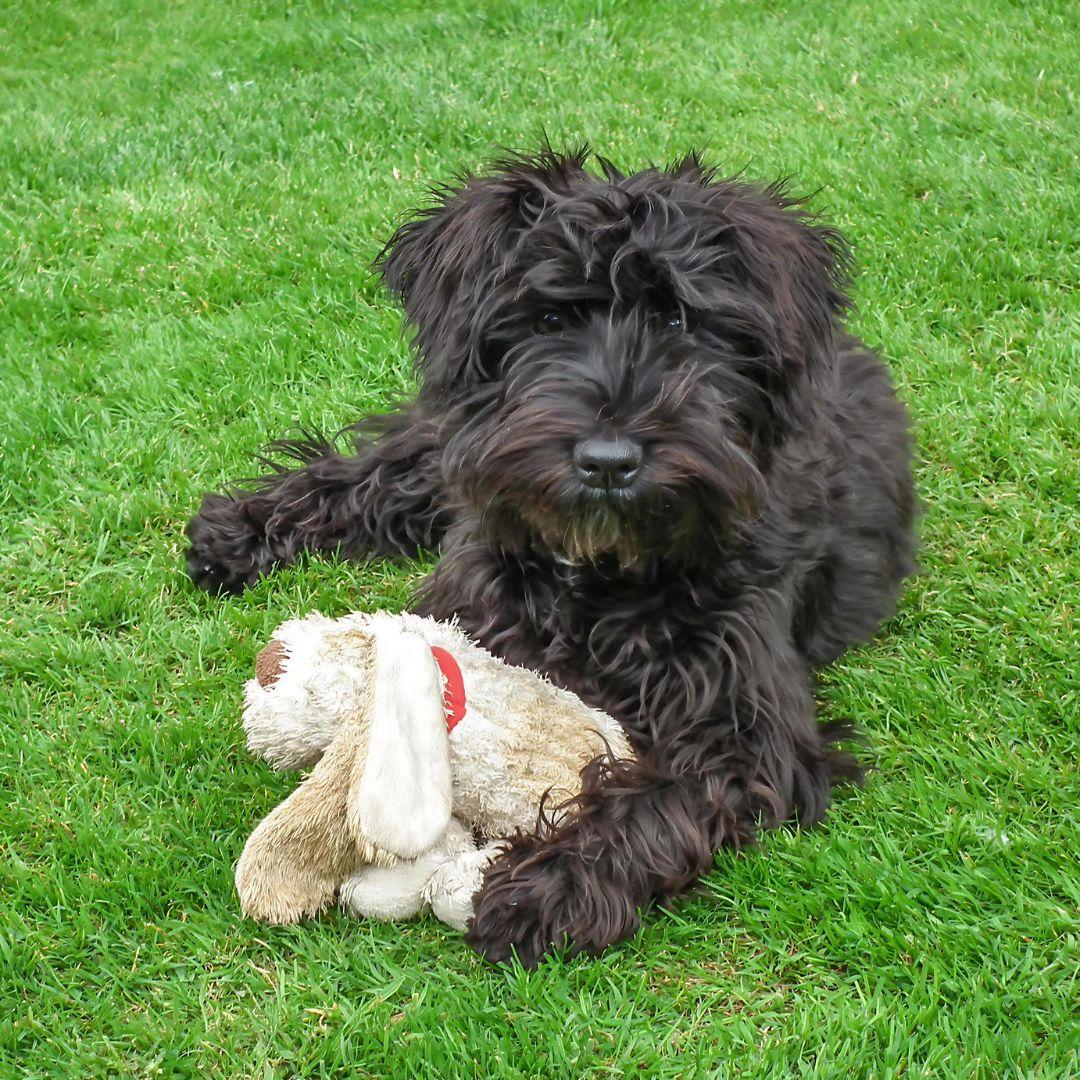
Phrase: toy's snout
(270,663)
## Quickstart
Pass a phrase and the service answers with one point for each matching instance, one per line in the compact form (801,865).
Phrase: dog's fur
(769,528)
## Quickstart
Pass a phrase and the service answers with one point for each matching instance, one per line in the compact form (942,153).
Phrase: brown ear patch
(270,663)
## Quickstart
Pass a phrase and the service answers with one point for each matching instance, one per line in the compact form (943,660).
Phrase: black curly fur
(769,529)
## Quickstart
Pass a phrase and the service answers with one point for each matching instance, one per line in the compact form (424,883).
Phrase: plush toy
(426,750)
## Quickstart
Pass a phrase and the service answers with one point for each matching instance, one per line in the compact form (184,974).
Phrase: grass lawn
(190,197)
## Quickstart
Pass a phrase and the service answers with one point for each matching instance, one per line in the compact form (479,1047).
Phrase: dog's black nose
(607,463)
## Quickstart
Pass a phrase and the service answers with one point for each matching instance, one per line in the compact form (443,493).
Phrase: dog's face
(615,357)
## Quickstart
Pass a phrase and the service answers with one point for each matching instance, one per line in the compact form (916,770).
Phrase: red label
(453,687)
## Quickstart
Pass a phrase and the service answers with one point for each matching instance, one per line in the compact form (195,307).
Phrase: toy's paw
(450,890)
(387,892)
(228,548)
(537,899)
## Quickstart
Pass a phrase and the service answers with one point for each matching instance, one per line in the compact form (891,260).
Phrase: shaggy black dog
(658,471)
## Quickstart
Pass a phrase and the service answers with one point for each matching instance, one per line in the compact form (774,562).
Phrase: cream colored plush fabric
(387,818)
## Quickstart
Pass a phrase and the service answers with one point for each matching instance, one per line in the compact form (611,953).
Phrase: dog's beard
(590,533)
(630,534)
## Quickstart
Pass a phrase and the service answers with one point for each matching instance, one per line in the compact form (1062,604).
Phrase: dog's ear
(797,267)
(804,269)
(427,256)
(400,792)
(445,261)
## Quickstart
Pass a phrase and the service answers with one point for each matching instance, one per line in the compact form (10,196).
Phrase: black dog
(658,471)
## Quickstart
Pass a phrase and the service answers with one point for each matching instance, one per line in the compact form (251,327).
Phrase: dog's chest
(635,649)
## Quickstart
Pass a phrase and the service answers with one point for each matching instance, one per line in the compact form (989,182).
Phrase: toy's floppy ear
(400,792)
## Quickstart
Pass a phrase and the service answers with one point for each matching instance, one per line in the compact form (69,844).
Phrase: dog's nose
(607,463)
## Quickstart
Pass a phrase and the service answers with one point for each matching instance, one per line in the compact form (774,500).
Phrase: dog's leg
(384,500)
(871,536)
(642,831)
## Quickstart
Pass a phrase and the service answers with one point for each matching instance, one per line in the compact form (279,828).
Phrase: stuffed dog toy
(421,742)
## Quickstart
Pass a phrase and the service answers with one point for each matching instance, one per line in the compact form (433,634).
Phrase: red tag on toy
(453,687)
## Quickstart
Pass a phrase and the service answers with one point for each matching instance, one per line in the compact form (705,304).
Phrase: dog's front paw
(537,899)
(514,915)
(228,547)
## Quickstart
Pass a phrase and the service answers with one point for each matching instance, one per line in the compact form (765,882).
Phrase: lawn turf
(190,197)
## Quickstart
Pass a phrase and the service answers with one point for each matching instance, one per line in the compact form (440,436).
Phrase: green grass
(190,196)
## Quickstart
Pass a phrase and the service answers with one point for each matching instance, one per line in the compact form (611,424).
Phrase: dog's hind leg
(870,549)
(386,499)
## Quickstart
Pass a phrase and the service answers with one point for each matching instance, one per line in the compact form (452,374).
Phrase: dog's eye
(675,322)
(548,323)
